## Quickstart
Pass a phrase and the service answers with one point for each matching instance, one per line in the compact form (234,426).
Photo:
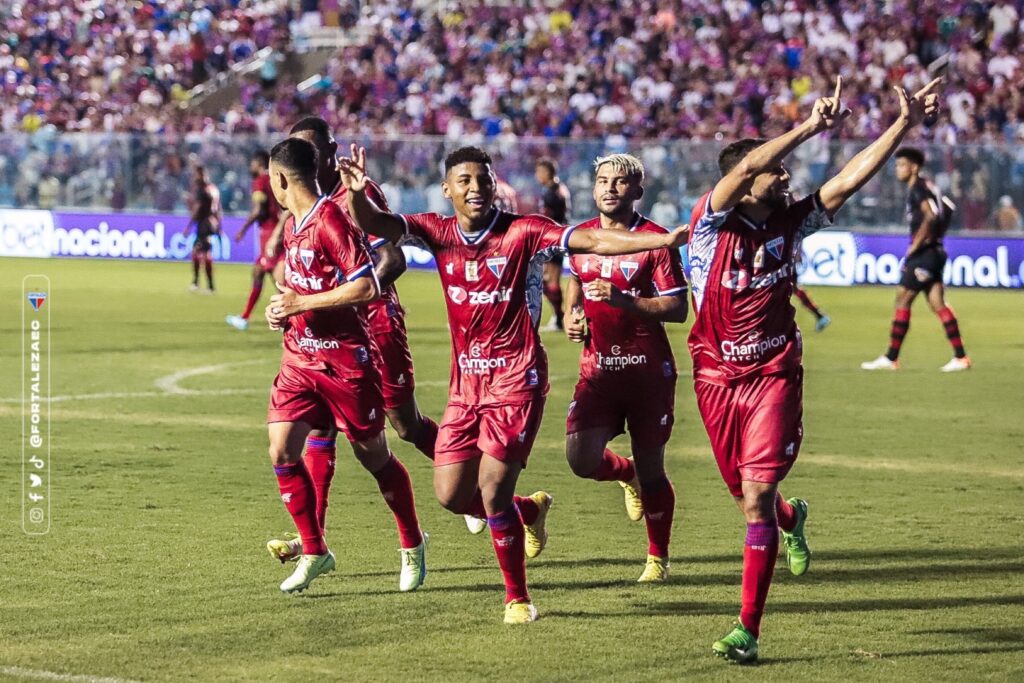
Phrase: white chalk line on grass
(42,675)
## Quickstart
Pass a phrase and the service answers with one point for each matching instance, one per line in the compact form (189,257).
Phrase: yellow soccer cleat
(655,571)
(285,550)
(520,612)
(536,533)
(634,507)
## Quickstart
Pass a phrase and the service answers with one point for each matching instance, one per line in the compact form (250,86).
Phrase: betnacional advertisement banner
(829,258)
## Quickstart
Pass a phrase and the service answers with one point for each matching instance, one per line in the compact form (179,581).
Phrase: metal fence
(151,173)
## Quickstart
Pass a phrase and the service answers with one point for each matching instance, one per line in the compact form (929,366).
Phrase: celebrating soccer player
(265,213)
(930,214)
(328,375)
(745,344)
(617,307)
(489,265)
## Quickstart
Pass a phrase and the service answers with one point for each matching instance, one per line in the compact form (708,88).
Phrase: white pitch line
(41,675)
(169,383)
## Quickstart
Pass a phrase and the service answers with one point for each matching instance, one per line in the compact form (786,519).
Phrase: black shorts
(924,268)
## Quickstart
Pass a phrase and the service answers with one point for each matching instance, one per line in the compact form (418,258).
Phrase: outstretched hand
(923,105)
(353,169)
(829,112)
(678,237)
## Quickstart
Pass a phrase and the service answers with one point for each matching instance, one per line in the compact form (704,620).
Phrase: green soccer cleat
(798,554)
(414,566)
(634,506)
(537,533)
(310,567)
(740,646)
(655,571)
(288,550)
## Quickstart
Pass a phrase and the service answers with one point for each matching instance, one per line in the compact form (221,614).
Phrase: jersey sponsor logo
(922,274)
(286,497)
(311,282)
(314,344)
(629,269)
(775,247)
(752,350)
(472,271)
(497,264)
(497,296)
(664,420)
(476,363)
(739,280)
(606,267)
(457,294)
(618,360)
(306,255)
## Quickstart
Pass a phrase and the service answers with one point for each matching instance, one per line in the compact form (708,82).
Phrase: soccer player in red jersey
(386,325)
(490,263)
(265,213)
(618,305)
(206,217)
(745,343)
(328,375)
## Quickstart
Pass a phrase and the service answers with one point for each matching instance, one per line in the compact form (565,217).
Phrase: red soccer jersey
(492,281)
(382,313)
(620,340)
(268,221)
(742,276)
(323,250)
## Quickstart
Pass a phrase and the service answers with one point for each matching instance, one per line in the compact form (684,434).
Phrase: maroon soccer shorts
(755,427)
(503,431)
(321,398)
(645,404)
(395,367)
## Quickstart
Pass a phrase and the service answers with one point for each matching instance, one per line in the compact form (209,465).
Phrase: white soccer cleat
(957,364)
(193,287)
(554,325)
(880,363)
(237,322)
(414,566)
(310,567)
(475,524)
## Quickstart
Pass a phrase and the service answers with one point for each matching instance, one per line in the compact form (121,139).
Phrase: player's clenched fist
(603,290)
(576,325)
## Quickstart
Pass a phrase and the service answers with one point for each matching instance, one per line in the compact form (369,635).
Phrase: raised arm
(870,160)
(390,264)
(735,184)
(366,214)
(617,242)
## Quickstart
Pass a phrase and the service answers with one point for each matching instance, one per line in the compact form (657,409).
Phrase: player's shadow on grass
(866,605)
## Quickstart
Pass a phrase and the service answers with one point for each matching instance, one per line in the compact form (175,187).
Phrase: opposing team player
(745,344)
(327,374)
(264,213)
(821,319)
(206,218)
(930,214)
(489,262)
(618,305)
(555,203)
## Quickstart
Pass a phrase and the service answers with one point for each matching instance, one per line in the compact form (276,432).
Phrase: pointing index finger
(839,86)
(928,88)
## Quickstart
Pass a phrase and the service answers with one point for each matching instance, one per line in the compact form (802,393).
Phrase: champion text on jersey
(497,264)
(314,344)
(618,360)
(750,351)
(475,363)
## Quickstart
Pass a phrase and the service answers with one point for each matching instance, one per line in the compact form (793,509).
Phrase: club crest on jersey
(629,269)
(497,264)
(606,267)
(306,255)
(775,247)
(472,271)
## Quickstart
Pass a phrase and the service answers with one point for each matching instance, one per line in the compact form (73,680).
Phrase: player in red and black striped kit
(929,214)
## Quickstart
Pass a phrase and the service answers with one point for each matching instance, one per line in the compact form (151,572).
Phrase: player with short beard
(746,348)
(617,308)
(490,262)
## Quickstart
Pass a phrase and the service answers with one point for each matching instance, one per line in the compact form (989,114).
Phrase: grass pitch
(163,497)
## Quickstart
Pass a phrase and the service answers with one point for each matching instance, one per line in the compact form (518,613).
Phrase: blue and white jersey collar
(300,225)
(478,237)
